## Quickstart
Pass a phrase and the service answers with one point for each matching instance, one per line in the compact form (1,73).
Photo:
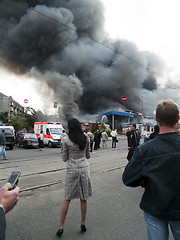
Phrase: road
(113,211)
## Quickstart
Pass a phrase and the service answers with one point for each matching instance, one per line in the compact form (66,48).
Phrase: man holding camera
(155,166)
(8,199)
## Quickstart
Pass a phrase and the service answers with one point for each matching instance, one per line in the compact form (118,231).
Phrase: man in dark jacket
(133,139)
(3,145)
(97,140)
(155,166)
(155,133)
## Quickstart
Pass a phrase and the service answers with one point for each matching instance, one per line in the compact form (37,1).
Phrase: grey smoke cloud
(67,90)
(84,75)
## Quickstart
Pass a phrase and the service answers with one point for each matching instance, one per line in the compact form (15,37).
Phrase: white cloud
(151,24)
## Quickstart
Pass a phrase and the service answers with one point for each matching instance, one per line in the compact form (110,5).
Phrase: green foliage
(26,122)
(94,127)
(18,122)
(4,117)
(103,127)
(108,131)
(30,117)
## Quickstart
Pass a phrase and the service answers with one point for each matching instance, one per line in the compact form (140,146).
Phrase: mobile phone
(13,179)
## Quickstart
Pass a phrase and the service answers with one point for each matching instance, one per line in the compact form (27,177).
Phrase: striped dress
(78,181)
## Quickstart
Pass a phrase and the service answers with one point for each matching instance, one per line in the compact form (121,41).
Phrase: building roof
(124,114)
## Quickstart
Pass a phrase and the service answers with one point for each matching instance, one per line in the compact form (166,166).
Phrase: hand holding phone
(13,180)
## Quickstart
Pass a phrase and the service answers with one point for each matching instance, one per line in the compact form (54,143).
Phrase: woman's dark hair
(76,134)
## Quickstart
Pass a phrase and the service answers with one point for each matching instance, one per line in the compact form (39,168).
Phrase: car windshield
(7,130)
(56,131)
(30,136)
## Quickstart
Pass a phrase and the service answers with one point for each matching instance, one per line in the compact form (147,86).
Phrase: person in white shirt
(114,138)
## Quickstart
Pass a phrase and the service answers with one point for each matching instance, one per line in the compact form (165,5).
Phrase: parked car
(28,140)
(9,135)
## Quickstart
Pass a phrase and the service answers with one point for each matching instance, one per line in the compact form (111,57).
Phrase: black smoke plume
(60,42)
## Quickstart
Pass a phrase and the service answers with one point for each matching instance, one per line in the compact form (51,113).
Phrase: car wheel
(50,144)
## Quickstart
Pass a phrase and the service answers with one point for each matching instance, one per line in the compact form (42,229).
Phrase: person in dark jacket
(155,133)
(155,166)
(97,140)
(3,145)
(133,139)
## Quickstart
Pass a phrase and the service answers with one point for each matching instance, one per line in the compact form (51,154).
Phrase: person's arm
(133,173)
(8,200)
(65,152)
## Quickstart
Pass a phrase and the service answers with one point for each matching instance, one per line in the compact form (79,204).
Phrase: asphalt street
(113,210)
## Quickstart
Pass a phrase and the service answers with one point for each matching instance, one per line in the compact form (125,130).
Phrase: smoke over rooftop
(52,41)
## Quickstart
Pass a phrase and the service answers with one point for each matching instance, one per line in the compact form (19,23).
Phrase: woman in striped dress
(76,151)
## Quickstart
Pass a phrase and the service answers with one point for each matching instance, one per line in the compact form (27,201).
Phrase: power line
(94,40)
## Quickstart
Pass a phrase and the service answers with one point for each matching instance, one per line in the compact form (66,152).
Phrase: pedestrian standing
(133,139)
(3,144)
(76,151)
(114,138)
(145,136)
(155,166)
(91,137)
(104,139)
(99,138)
(96,140)
(41,141)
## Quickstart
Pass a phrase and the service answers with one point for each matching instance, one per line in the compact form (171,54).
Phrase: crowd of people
(101,137)
(153,165)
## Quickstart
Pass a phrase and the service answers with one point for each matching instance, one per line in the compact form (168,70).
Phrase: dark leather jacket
(133,139)
(157,162)
(2,139)
(2,224)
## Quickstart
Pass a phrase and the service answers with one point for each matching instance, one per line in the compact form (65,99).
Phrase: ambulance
(52,132)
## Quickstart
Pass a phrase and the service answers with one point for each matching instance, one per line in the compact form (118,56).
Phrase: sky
(152,25)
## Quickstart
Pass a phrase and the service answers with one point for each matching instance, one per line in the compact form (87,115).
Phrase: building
(122,120)
(8,104)
(117,119)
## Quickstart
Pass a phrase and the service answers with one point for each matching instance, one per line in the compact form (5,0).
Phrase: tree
(94,127)
(4,117)
(103,127)
(18,122)
(30,117)
(108,131)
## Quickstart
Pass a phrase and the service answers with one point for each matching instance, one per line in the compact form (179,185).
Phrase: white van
(52,132)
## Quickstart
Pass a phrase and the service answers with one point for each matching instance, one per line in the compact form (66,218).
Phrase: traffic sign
(124,98)
(25,101)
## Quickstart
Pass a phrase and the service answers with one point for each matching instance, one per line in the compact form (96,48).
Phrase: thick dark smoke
(85,76)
